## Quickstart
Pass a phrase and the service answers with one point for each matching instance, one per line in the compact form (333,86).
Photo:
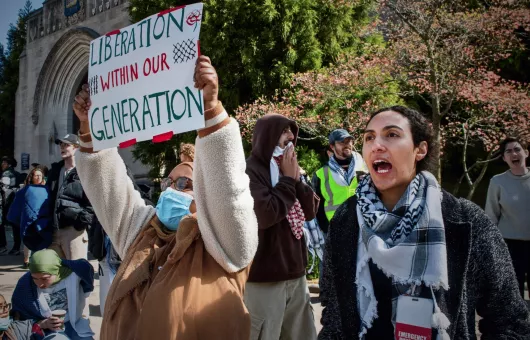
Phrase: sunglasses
(179,184)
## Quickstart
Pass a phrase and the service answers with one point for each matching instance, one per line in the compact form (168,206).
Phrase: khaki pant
(280,310)
(70,244)
(27,254)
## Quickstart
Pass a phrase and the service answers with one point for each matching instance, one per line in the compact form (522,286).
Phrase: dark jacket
(280,256)
(30,210)
(97,236)
(96,241)
(70,206)
(481,277)
(322,219)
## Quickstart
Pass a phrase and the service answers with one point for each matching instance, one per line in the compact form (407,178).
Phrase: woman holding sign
(185,262)
(407,260)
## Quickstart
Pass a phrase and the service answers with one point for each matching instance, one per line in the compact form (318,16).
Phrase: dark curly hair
(512,139)
(421,132)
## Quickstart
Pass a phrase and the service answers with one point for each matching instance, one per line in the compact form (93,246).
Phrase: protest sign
(141,80)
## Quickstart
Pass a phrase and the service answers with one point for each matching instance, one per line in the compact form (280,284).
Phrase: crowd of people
(223,253)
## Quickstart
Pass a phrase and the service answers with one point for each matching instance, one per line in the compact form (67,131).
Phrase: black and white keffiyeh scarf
(407,244)
(347,175)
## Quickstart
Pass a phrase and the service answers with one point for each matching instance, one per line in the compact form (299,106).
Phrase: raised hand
(82,104)
(205,78)
(289,164)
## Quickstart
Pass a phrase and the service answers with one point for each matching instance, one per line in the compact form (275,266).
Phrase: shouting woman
(405,258)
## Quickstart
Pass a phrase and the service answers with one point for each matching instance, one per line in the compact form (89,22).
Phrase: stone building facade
(53,67)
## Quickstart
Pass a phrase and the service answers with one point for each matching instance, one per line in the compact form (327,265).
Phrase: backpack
(96,241)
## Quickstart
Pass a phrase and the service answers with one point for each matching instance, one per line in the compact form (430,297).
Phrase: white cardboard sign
(141,80)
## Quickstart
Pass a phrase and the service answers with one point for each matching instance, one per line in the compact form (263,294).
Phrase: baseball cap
(68,139)
(338,136)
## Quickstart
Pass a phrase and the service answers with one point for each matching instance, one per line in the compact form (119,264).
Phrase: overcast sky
(9,12)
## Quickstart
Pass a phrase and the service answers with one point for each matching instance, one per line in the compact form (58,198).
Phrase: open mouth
(381,166)
(516,161)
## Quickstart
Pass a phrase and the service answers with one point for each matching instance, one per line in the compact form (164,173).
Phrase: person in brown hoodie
(276,293)
(183,272)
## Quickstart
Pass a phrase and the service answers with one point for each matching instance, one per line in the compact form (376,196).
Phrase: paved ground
(11,269)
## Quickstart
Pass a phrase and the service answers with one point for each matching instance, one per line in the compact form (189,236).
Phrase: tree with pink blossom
(446,48)
(489,111)
(339,96)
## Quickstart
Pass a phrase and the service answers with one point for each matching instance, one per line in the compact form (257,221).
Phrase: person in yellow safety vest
(336,181)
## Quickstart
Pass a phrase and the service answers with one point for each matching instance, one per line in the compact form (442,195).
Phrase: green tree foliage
(339,96)
(256,46)
(9,72)
(162,157)
(444,48)
(309,160)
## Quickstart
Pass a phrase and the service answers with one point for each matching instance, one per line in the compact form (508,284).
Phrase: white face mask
(279,151)
(5,323)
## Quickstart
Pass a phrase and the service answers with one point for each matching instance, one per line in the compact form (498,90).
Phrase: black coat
(69,203)
(481,277)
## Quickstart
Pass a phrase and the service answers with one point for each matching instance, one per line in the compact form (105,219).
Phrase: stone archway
(60,77)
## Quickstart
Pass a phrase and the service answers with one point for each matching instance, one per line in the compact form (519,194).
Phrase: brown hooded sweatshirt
(280,256)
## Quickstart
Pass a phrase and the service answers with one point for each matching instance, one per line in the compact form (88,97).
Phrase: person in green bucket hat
(54,287)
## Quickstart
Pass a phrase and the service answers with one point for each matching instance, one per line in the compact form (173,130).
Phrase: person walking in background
(51,285)
(337,180)
(30,212)
(508,205)
(405,255)
(10,185)
(276,294)
(186,152)
(71,209)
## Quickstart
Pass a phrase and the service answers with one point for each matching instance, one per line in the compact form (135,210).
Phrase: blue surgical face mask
(5,323)
(172,206)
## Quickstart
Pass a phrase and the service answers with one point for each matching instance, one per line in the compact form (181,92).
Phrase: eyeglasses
(179,184)
(6,307)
